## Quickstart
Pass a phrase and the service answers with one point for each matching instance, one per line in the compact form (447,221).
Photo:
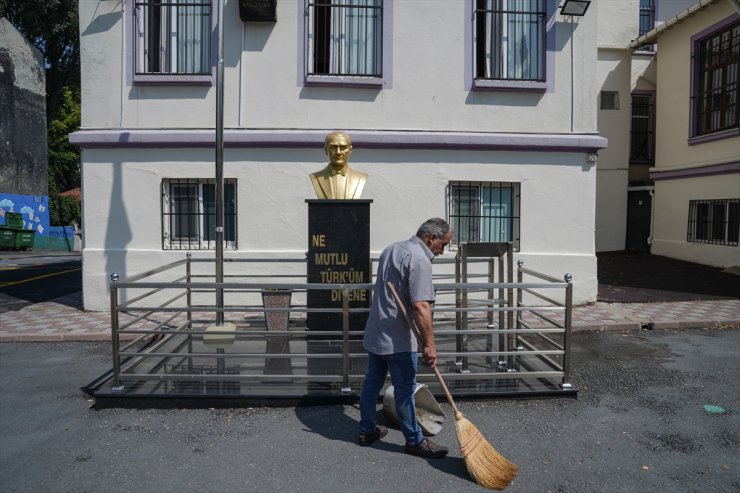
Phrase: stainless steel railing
(163,332)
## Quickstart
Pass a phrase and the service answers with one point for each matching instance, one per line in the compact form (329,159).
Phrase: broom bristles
(485,464)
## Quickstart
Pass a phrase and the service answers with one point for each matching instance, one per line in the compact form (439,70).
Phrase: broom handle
(415,330)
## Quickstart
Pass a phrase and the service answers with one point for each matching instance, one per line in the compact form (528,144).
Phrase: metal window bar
(159,349)
(484,212)
(173,37)
(188,214)
(642,134)
(717,63)
(510,39)
(345,38)
(715,222)
(647,20)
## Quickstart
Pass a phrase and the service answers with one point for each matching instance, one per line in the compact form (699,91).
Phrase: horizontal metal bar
(501,285)
(148,293)
(425,377)
(133,377)
(549,341)
(549,361)
(534,311)
(540,275)
(245,355)
(151,272)
(542,297)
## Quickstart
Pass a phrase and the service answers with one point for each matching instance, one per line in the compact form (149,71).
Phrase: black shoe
(427,449)
(366,439)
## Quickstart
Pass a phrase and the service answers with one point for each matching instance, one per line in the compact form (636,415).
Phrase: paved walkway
(63,319)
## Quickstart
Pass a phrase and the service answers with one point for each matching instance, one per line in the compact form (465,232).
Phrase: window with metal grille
(345,37)
(510,40)
(483,212)
(714,221)
(647,20)
(172,37)
(642,129)
(189,214)
(716,65)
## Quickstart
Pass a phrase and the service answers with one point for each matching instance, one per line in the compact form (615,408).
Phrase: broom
(487,466)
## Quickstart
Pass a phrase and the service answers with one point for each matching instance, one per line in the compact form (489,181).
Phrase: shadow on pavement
(634,277)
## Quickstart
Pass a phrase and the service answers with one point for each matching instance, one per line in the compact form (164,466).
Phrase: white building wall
(263,87)
(617,24)
(264,91)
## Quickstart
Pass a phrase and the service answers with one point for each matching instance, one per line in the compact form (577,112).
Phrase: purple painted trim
(369,139)
(694,83)
(724,134)
(384,82)
(343,81)
(163,79)
(473,84)
(718,169)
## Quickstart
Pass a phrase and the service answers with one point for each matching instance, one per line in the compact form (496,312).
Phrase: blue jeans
(403,368)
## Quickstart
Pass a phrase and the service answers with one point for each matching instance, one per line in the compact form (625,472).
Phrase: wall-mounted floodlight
(575,7)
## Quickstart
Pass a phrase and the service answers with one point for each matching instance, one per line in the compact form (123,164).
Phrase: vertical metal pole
(117,387)
(220,166)
(572,78)
(345,341)
(189,314)
(566,341)
(510,302)
(458,304)
(464,268)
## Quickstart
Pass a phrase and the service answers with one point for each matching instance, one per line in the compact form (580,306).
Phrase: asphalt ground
(639,425)
(640,277)
(28,278)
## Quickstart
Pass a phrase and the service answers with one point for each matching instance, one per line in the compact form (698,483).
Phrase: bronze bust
(337,180)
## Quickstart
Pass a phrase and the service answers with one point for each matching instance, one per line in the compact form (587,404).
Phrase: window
(647,20)
(716,63)
(609,100)
(172,37)
(345,38)
(189,214)
(484,212)
(510,40)
(642,129)
(714,221)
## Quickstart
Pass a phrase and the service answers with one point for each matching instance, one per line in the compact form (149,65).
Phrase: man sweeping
(391,346)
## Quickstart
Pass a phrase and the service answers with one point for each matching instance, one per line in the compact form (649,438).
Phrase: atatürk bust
(337,180)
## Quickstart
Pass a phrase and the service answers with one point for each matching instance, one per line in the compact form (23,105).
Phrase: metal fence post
(189,301)
(568,320)
(117,387)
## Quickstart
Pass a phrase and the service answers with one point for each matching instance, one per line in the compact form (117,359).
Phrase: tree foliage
(64,158)
(63,211)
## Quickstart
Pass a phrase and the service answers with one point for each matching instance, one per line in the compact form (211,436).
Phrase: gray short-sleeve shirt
(408,265)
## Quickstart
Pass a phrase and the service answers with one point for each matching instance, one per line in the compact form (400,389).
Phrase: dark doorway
(639,212)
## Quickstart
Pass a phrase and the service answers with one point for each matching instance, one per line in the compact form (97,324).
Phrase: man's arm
(423,320)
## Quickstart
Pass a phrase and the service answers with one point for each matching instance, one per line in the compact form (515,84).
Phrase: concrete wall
(22,115)
(677,157)
(264,87)
(671,219)
(406,187)
(612,169)
(427,91)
